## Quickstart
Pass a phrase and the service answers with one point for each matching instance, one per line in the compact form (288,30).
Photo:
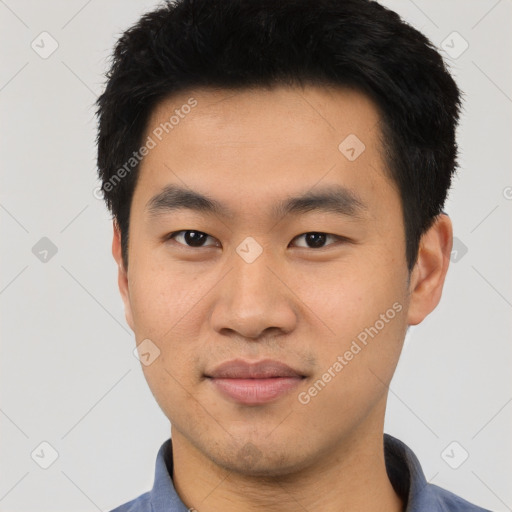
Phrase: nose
(253,302)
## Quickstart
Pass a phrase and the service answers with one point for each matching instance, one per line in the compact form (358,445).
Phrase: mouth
(254,383)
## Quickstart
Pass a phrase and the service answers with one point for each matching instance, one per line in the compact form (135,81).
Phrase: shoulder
(450,502)
(140,504)
(408,480)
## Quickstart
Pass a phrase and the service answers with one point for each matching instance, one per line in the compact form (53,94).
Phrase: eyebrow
(332,199)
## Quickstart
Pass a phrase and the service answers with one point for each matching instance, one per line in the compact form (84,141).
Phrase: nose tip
(252,303)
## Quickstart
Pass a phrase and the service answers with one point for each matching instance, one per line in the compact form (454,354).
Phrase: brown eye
(190,238)
(316,240)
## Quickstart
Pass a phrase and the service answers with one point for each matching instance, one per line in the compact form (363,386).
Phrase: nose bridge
(252,281)
(251,299)
(252,278)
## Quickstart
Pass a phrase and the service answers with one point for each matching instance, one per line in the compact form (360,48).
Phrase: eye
(191,238)
(196,239)
(316,240)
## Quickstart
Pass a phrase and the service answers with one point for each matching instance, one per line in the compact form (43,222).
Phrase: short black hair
(237,44)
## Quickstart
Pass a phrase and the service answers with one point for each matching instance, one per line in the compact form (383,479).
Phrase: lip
(254,383)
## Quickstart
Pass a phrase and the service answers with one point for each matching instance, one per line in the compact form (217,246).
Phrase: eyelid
(171,236)
(339,239)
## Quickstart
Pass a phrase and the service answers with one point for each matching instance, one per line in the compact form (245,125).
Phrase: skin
(295,303)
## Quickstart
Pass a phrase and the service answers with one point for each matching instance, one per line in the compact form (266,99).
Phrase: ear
(122,275)
(429,272)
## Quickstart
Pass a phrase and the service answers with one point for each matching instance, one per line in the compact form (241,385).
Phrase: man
(277,172)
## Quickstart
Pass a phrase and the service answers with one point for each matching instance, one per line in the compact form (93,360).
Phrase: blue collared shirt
(402,465)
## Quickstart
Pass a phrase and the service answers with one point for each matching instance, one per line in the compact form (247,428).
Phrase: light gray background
(68,374)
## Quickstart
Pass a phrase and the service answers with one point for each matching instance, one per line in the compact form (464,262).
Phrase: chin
(254,459)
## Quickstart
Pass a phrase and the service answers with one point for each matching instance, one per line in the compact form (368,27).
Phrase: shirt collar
(164,497)
(403,467)
(407,477)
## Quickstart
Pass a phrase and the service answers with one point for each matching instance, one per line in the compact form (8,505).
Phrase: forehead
(248,144)
(308,114)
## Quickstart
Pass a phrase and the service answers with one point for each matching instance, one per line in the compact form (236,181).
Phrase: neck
(351,478)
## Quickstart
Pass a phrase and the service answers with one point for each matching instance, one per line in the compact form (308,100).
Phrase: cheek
(364,308)
(168,309)
(348,297)
(160,297)
(355,370)
(165,308)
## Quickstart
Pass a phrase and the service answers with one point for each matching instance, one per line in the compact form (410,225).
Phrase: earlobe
(429,272)
(122,275)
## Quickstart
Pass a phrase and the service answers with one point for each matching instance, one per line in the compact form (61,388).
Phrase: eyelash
(172,236)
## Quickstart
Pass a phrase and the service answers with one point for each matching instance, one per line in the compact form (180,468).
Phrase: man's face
(322,290)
